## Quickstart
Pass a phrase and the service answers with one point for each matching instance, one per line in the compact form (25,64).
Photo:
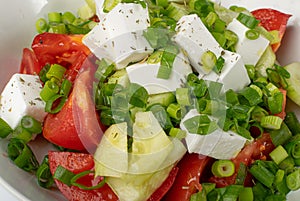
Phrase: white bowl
(16,32)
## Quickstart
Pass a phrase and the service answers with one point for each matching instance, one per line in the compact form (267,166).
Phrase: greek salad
(149,100)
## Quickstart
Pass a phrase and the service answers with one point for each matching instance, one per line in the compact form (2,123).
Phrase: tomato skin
(62,128)
(187,181)
(166,185)
(76,163)
(258,149)
(271,20)
(29,63)
(66,50)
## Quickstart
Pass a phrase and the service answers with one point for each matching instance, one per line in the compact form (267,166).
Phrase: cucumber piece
(108,5)
(176,11)
(293,90)
(266,61)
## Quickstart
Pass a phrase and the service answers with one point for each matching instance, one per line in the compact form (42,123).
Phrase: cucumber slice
(176,11)
(108,5)
(293,89)
(266,61)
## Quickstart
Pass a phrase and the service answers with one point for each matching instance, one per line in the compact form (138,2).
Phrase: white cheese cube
(154,85)
(228,146)
(20,97)
(233,68)
(195,39)
(119,36)
(218,144)
(250,50)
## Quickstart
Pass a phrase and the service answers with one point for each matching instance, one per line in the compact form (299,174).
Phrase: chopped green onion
(262,174)
(57,71)
(250,71)
(247,20)
(41,25)
(252,95)
(280,136)
(22,134)
(223,168)
(52,102)
(258,113)
(252,34)
(231,97)
(63,175)
(166,62)
(66,87)
(84,187)
(275,103)
(104,70)
(293,180)
(138,95)
(59,28)
(208,61)
(43,72)
(232,39)
(49,90)
(54,17)
(278,154)
(211,18)
(162,116)
(287,164)
(241,174)
(292,122)
(43,174)
(218,26)
(271,122)
(5,129)
(31,124)
(68,17)
(22,155)
(174,110)
(200,124)
(73,29)
(183,96)
(293,148)
(246,194)
(177,133)
(279,176)
(164,99)
(219,65)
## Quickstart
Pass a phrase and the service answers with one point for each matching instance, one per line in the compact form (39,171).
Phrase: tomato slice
(258,149)
(66,50)
(76,163)
(191,170)
(165,186)
(271,20)
(29,63)
(76,126)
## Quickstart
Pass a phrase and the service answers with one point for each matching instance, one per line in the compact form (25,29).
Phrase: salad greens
(154,128)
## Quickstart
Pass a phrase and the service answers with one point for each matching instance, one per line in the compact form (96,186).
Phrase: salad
(156,100)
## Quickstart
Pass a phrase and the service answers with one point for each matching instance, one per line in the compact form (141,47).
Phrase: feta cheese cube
(20,97)
(250,50)
(181,68)
(233,69)
(119,36)
(195,39)
(218,144)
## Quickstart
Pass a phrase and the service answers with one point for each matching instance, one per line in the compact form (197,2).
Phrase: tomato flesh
(76,163)
(29,63)
(187,182)
(271,20)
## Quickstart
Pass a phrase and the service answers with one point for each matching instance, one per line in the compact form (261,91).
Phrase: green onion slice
(5,129)
(31,124)
(51,102)
(223,168)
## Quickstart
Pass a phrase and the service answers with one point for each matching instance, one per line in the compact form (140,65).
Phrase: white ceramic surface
(16,32)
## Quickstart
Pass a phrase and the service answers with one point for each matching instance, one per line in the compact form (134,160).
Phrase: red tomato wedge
(76,126)
(76,163)
(66,50)
(271,20)
(191,169)
(29,63)
(258,149)
(165,186)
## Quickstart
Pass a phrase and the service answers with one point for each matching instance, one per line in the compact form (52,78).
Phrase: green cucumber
(293,89)
(266,61)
